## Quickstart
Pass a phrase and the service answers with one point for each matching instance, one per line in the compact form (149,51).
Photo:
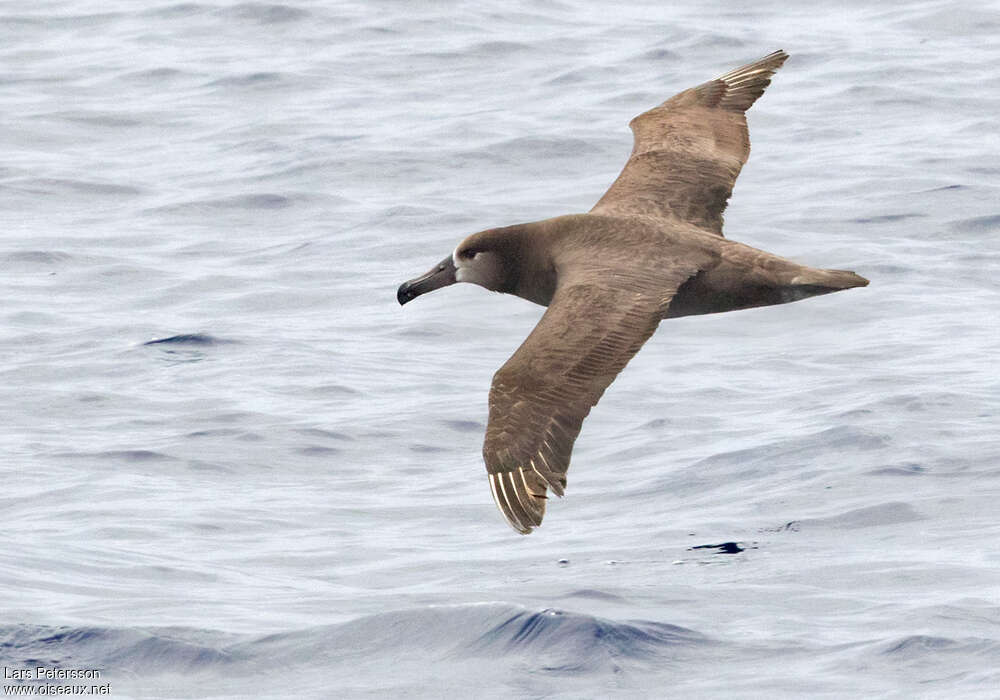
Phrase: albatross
(651,249)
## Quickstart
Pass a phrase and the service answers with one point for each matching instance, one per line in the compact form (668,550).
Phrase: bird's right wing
(539,398)
(689,150)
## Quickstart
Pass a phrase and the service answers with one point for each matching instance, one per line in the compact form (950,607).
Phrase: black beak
(441,275)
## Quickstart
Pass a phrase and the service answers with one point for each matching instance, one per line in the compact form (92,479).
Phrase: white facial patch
(464,272)
(471,269)
(459,271)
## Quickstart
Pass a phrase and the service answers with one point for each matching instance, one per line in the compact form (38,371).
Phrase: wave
(264,13)
(200,339)
(72,186)
(33,257)
(549,640)
(248,202)
(257,12)
(249,79)
(108,649)
(514,651)
(891,513)
(977,224)
(576,642)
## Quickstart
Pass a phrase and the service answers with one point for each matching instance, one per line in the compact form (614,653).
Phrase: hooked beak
(441,275)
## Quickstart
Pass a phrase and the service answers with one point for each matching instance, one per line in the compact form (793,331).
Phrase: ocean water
(232,466)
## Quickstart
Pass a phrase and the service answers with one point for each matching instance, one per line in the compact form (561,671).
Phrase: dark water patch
(63,186)
(333,390)
(658,55)
(64,20)
(181,357)
(318,451)
(407,210)
(923,648)
(249,202)
(22,21)
(132,455)
(977,224)
(887,269)
(427,449)
(594,594)
(500,49)
(158,73)
(34,257)
(256,79)
(376,31)
(185,348)
(900,470)
(429,58)
(216,432)
(264,13)
(231,417)
(571,77)
(918,644)
(323,433)
(944,188)
(44,80)
(179,9)
(196,339)
(927,402)
(723,547)
(200,465)
(156,76)
(886,218)
(422,331)
(465,426)
(111,120)
(983,170)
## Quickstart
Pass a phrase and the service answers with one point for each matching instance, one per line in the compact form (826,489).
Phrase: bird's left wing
(539,398)
(689,150)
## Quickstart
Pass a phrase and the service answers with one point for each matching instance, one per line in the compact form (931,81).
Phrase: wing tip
(771,62)
(522,508)
(745,84)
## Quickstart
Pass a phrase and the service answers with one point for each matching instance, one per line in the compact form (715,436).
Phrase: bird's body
(652,248)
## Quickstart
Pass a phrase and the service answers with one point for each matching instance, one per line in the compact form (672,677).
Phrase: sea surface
(231,466)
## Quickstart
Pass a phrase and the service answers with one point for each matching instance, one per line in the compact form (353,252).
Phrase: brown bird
(651,248)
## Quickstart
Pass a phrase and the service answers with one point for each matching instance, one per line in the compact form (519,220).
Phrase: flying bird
(651,248)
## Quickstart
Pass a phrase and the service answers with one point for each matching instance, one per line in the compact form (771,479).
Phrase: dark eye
(467,254)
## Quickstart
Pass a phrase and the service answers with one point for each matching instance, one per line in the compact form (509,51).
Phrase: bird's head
(477,259)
